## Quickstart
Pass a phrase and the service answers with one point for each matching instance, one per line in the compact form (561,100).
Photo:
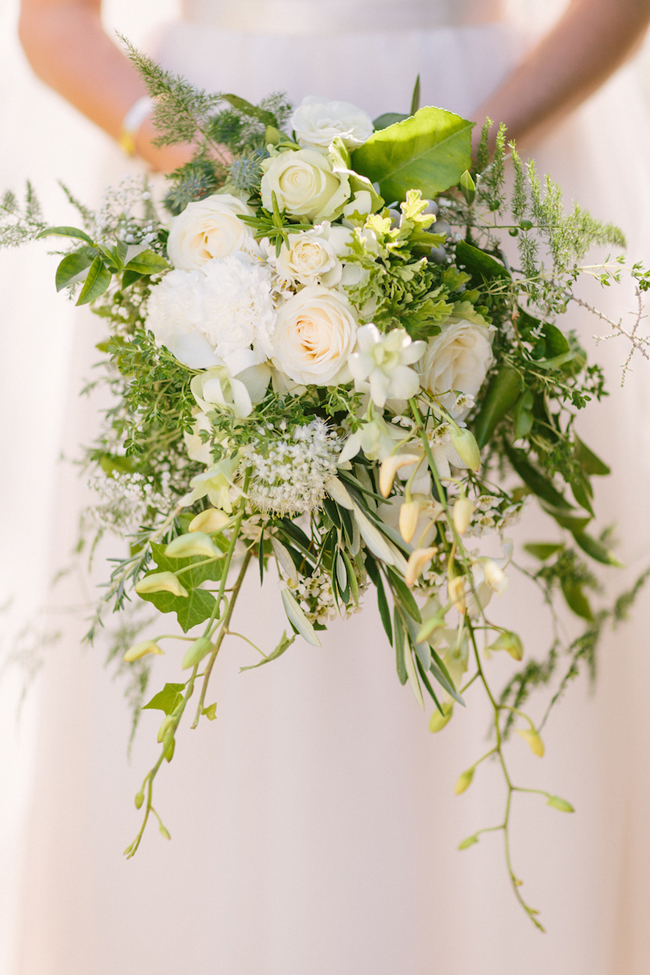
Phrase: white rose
(305,184)
(207,229)
(317,122)
(315,332)
(457,359)
(312,257)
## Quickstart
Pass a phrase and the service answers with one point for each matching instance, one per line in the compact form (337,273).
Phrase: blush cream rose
(207,229)
(312,257)
(457,359)
(317,122)
(315,332)
(305,184)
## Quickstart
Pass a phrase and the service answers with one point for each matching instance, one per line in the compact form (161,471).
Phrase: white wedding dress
(314,823)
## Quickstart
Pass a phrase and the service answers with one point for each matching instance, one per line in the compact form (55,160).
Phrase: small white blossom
(381,363)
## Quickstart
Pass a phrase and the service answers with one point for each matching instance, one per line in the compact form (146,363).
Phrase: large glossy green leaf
(190,610)
(504,390)
(73,232)
(478,263)
(147,262)
(429,151)
(72,265)
(193,577)
(96,283)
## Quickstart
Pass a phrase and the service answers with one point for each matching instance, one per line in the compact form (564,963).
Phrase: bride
(313,828)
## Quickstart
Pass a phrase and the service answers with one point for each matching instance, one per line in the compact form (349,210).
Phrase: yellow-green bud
(534,741)
(139,799)
(164,832)
(470,841)
(209,521)
(191,545)
(170,747)
(167,723)
(464,781)
(438,721)
(509,642)
(160,582)
(196,652)
(141,650)
(462,514)
(466,447)
(560,804)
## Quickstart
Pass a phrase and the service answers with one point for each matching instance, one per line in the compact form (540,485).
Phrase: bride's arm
(589,42)
(66,46)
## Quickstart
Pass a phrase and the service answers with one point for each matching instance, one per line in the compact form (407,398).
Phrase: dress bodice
(338,16)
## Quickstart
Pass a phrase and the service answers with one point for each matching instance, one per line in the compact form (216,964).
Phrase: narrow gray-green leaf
(296,616)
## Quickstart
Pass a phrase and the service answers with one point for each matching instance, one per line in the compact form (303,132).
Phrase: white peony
(207,229)
(457,359)
(315,332)
(223,314)
(305,184)
(380,363)
(317,122)
(313,256)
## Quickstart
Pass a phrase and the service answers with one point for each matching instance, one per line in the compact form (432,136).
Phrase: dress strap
(338,16)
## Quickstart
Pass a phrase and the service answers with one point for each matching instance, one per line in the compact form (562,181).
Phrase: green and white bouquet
(323,362)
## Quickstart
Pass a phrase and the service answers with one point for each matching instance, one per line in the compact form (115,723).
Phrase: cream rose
(312,257)
(305,184)
(317,122)
(457,359)
(207,229)
(315,332)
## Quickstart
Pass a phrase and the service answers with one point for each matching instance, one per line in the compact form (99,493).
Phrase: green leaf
(65,232)
(596,549)
(72,265)
(193,577)
(283,645)
(96,283)
(443,677)
(210,712)
(412,674)
(576,599)
(190,610)
(167,699)
(581,490)
(129,278)
(400,639)
(568,518)
(147,262)
(536,481)
(268,118)
(478,263)
(384,612)
(388,118)
(504,390)
(467,187)
(543,550)
(523,415)
(590,463)
(415,98)
(298,619)
(429,151)
(404,595)
(427,683)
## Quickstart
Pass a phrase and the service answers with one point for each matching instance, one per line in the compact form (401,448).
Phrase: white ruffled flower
(315,333)
(221,314)
(381,363)
(305,184)
(457,359)
(207,229)
(317,122)
(313,256)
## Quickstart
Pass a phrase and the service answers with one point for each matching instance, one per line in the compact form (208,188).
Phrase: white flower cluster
(317,596)
(492,514)
(289,473)
(124,501)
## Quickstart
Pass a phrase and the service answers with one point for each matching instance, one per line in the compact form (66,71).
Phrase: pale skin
(69,50)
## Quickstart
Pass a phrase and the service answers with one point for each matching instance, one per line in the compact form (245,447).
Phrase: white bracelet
(132,122)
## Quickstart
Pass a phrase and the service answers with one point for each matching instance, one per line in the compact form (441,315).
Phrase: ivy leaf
(147,262)
(65,232)
(210,712)
(165,700)
(283,645)
(429,151)
(190,610)
(96,283)
(192,578)
(72,265)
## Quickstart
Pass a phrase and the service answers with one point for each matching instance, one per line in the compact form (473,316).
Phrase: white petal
(360,365)
(404,382)
(413,352)
(241,397)
(367,336)
(256,379)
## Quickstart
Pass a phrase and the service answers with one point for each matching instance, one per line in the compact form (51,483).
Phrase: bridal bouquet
(324,362)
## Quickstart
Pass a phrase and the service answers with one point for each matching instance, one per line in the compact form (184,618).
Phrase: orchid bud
(416,563)
(189,546)
(196,652)
(209,521)
(167,723)
(509,642)
(437,720)
(464,781)
(466,447)
(141,650)
(495,578)
(462,514)
(409,514)
(160,582)
(389,468)
(534,741)
(456,589)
